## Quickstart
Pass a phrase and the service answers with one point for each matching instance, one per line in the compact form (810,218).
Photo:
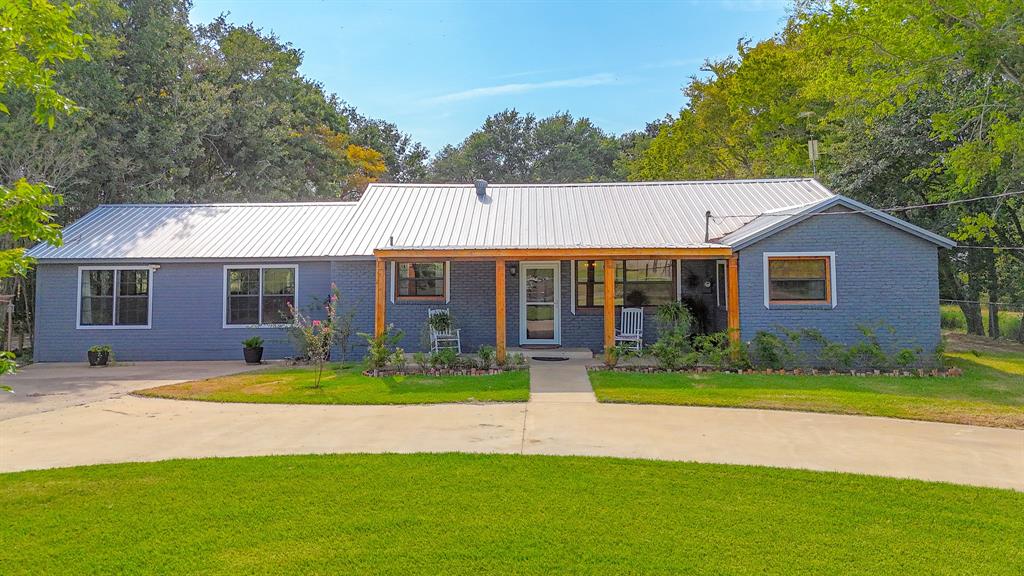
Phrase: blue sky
(437,69)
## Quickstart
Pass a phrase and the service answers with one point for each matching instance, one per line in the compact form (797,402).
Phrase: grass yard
(347,385)
(953,319)
(990,393)
(477,514)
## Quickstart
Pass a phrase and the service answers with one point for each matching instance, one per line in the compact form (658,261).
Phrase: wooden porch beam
(609,307)
(380,304)
(554,253)
(733,297)
(499,309)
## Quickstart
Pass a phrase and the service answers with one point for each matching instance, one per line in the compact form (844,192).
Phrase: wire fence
(984,318)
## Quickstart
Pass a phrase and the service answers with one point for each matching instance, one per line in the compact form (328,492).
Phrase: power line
(875,210)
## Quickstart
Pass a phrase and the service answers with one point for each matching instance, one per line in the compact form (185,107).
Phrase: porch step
(556,352)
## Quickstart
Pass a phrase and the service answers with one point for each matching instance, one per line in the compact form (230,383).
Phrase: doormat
(549,358)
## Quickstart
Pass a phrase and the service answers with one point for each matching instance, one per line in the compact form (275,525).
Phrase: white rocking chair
(449,339)
(631,329)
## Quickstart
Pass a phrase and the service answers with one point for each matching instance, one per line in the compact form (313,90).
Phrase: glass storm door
(539,303)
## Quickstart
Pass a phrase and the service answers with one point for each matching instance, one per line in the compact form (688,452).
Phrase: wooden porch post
(609,306)
(379,317)
(733,297)
(499,309)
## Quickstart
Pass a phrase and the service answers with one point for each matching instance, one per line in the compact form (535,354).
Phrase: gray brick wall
(882,274)
(187,322)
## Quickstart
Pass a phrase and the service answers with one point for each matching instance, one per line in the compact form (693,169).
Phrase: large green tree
(516,147)
(35,38)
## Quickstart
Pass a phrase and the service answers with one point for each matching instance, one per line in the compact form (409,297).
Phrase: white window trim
(261,267)
(573,288)
(721,277)
(115,326)
(832,276)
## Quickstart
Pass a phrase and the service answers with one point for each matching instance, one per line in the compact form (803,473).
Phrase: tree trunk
(993,298)
(972,314)
(1020,329)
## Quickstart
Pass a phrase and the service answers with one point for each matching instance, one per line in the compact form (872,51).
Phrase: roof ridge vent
(481,188)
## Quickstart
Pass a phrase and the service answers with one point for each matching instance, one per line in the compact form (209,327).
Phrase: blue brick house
(543,265)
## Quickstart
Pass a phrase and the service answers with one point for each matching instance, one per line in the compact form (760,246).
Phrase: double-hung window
(637,282)
(114,297)
(259,295)
(799,278)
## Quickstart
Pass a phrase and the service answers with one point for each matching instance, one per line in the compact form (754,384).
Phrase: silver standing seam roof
(453,216)
(203,231)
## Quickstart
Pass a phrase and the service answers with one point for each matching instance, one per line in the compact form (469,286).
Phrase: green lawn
(990,393)
(294,385)
(477,514)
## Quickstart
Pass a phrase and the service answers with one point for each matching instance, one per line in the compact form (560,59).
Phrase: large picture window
(799,279)
(259,295)
(420,280)
(637,283)
(114,297)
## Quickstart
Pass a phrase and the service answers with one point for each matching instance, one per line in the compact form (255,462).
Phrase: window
(422,280)
(113,297)
(721,288)
(799,279)
(637,282)
(260,295)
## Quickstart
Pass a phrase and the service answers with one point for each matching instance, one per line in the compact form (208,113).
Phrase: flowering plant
(318,336)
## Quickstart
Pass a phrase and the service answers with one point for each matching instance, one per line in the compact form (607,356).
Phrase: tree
(514,147)
(35,37)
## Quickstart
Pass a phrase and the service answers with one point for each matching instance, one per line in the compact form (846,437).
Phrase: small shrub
(254,342)
(398,360)
(445,358)
(380,349)
(517,360)
(906,357)
(464,363)
(101,348)
(714,349)
(422,360)
(868,352)
(952,318)
(673,350)
(486,355)
(769,351)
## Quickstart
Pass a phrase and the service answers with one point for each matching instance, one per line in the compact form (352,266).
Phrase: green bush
(421,359)
(769,351)
(674,317)
(380,349)
(673,350)
(444,358)
(486,355)
(952,318)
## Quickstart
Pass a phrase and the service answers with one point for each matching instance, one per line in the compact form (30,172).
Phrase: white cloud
(522,88)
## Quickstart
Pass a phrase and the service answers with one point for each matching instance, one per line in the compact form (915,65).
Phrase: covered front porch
(550,298)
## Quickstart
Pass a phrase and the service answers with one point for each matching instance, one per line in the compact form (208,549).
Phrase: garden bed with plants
(708,370)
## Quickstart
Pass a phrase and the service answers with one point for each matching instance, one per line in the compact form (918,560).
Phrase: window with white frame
(259,295)
(114,297)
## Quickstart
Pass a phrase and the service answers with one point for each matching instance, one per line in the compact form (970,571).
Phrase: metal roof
(775,221)
(214,231)
(616,215)
(453,216)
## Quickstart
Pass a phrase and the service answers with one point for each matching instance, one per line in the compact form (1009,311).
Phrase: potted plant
(253,350)
(99,355)
(441,321)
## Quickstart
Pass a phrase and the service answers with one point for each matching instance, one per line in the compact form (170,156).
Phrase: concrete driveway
(52,386)
(129,428)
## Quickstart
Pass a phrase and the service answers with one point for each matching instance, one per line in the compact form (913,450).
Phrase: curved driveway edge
(130,428)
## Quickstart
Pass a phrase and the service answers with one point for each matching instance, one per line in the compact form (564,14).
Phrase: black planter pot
(253,355)
(98,358)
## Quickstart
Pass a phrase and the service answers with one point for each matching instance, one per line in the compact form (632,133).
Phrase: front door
(539,303)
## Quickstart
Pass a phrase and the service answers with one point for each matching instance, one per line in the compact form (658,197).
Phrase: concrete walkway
(563,381)
(556,421)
